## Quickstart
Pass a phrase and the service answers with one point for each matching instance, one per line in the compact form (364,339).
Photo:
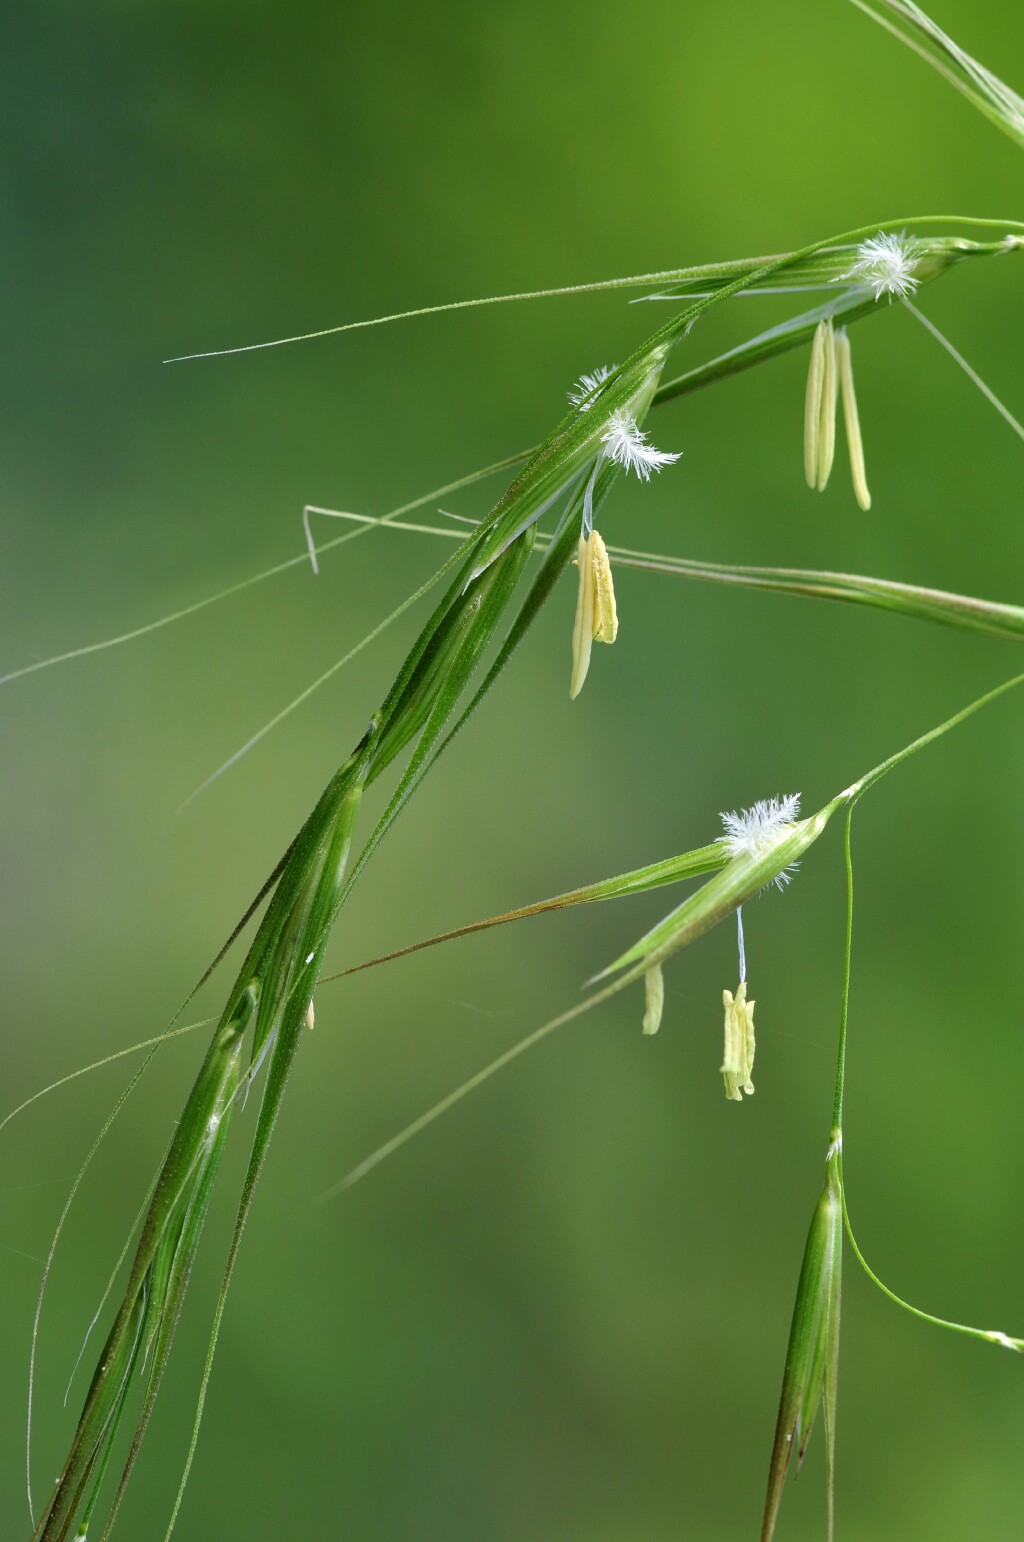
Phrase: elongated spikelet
(810,1377)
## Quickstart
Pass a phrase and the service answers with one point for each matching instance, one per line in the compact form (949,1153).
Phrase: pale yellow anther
(596,618)
(820,407)
(310,1016)
(812,405)
(829,394)
(738,1060)
(851,419)
(654,998)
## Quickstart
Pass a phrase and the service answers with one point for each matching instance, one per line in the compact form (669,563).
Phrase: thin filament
(971,374)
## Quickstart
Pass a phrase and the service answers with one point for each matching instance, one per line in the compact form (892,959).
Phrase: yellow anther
(596,617)
(738,1060)
(851,419)
(820,407)
(654,998)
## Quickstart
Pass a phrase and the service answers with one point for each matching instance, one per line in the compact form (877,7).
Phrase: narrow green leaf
(942,606)
(992,617)
(691,864)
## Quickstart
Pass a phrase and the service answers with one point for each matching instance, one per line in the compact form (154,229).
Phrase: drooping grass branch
(848,302)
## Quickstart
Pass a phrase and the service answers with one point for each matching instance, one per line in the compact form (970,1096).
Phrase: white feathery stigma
(626,444)
(587,386)
(886,264)
(753,832)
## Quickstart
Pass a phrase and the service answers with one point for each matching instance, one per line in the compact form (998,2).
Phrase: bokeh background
(560,1315)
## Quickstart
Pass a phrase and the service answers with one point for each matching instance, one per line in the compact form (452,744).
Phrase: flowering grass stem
(268,1007)
(847,302)
(570,474)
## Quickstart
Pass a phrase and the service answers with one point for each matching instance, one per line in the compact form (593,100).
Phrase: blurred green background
(560,1315)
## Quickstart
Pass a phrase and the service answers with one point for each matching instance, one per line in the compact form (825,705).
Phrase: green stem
(837,1110)
(989,1336)
(885,766)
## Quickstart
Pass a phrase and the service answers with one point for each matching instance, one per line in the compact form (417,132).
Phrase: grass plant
(485,595)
